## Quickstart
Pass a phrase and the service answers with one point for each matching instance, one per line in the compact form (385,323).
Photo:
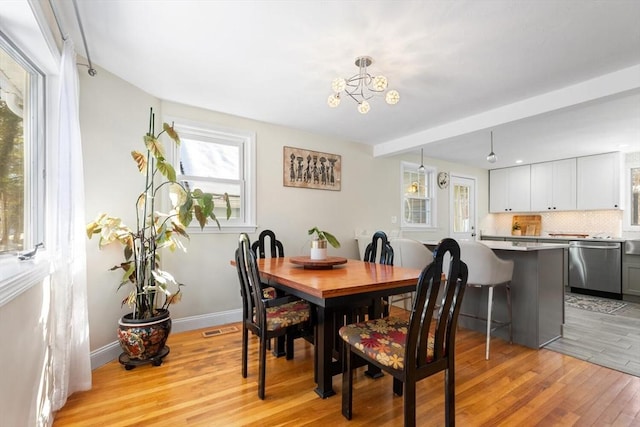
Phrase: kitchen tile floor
(611,340)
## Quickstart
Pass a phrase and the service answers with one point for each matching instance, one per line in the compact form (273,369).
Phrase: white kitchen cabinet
(553,186)
(631,275)
(599,182)
(510,189)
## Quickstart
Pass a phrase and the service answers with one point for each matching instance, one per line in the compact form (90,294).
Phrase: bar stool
(488,270)
(409,253)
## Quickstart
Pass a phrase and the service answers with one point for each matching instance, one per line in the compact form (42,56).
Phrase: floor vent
(219,331)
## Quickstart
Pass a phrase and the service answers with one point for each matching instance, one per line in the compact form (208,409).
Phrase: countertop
(512,246)
(560,238)
(522,246)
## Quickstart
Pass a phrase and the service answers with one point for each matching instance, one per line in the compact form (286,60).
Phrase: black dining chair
(379,239)
(418,348)
(267,243)
(276,250)
(265,317)
(259,247)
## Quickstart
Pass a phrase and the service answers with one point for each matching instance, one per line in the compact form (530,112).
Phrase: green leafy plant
(325,235)
(151,287)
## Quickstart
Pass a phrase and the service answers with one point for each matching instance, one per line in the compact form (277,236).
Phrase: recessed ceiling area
(552,79)
(604,125)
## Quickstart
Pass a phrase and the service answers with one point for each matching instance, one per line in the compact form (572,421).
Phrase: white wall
(25,328)
(113,120)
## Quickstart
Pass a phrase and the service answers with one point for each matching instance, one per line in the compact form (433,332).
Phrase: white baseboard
(112,350)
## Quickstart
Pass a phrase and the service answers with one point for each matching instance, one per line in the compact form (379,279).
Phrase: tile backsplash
(607,222)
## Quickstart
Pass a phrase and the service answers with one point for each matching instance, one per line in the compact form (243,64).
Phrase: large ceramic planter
(144,339)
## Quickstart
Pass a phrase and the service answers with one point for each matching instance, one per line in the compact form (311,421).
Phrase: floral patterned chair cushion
(288,314)
(382,340)
(268,293)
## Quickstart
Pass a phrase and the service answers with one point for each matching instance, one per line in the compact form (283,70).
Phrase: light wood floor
(200,384)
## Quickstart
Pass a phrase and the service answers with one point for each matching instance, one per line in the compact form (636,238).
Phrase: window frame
(246,140)
(626,223)
(431,196)
(34,128)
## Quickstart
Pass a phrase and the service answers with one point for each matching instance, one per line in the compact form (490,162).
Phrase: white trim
(453,175)
(430,172)
(229,229)
(206,320)
(111,351)
(19,276)
(626,217)
(247,141)
(105,354)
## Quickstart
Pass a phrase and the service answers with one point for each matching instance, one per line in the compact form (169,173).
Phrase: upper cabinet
(553,186)
(599,181)
(583,183)
(510,189)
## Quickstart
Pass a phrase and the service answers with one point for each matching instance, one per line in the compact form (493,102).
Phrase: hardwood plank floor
(200,384)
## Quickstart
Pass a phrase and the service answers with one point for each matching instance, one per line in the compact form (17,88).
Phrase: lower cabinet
(631,274)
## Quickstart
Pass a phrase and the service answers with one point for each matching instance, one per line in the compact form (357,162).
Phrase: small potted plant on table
(319,243)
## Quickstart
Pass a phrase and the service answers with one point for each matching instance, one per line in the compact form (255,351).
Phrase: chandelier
(361,87)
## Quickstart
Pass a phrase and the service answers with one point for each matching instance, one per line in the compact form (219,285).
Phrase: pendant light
(491,158)
(421,168)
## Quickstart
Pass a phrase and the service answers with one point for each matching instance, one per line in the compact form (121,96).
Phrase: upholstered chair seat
(382,340)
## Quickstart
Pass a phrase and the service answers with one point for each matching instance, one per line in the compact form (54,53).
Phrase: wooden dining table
(332,290)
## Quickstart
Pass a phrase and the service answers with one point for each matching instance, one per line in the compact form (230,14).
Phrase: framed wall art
(311,169)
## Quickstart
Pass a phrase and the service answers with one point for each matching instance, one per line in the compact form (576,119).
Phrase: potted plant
(319,243)
(515,229)
(152,290)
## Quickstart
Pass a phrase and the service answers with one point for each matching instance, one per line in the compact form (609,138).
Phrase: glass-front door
(463,208)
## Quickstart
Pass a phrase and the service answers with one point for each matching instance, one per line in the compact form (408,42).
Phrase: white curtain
(70,365)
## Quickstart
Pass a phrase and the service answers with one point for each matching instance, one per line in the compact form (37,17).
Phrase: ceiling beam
(603,86)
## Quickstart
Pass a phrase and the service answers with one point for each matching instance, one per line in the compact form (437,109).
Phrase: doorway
(462,196)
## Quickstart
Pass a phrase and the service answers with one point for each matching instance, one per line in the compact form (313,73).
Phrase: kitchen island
(537,294)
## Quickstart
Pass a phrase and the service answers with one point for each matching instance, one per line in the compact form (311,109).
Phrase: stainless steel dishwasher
(595,268)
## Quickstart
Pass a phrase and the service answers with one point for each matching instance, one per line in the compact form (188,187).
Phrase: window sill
(18,276)
(418,227)
(224,230)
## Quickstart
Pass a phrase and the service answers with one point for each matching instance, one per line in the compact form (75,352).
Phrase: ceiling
(552,79)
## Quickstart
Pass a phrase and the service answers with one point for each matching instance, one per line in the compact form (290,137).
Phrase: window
(418,196)
(219,161)
(21,151)
(632,188)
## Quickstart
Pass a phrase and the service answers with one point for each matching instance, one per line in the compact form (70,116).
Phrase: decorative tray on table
(317,264)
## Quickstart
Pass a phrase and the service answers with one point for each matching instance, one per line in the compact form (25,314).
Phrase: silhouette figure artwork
(311,169)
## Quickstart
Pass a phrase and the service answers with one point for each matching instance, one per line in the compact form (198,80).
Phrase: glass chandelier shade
(362,87)
(364,107)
